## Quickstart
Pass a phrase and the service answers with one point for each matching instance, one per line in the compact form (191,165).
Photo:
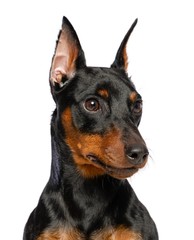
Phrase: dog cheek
(107,147)
(71,134)
(80,143)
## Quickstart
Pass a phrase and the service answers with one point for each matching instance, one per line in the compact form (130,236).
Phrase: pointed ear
(121,59)
(68,56)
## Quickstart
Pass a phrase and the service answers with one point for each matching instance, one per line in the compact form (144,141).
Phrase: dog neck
(82,200)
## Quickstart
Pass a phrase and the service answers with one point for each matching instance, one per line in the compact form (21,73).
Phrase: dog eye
(137,107)
(92,105)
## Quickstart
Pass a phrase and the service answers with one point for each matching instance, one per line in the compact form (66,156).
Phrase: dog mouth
(115,172)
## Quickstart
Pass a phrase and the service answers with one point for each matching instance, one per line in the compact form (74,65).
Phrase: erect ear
(121,59)
(68,56)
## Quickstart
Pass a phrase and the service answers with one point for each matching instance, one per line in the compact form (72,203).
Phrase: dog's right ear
(68,56)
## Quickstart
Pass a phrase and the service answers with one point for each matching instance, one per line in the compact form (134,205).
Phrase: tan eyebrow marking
(133,96)
(104,93)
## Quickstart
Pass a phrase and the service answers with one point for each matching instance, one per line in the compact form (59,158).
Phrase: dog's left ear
(121,59)
(68,56)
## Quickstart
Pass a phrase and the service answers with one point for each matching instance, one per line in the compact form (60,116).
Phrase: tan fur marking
(133,96)
(125,57)
(104,93)
(120,233)
(61,234)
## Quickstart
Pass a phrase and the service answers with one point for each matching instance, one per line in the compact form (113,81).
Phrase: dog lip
(117,172)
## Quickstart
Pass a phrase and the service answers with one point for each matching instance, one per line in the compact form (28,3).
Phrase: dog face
(98,109)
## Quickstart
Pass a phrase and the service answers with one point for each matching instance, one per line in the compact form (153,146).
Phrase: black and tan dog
(95,146)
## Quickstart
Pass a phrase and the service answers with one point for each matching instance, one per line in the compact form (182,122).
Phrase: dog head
(98,109)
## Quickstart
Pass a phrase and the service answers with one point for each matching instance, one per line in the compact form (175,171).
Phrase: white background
(161,56)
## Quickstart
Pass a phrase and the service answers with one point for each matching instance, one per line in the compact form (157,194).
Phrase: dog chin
(122,173)
(115,172)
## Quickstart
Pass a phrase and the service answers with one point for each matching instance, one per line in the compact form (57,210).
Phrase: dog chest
(119,233)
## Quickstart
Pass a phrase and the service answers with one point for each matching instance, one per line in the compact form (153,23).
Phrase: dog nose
(137,154)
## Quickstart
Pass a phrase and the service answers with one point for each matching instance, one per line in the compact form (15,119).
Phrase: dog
(96,146)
